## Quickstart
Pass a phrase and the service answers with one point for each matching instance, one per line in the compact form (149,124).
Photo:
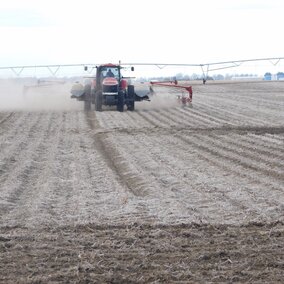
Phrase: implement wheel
(131,98)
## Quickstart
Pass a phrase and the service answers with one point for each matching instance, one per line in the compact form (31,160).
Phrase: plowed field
(163,194)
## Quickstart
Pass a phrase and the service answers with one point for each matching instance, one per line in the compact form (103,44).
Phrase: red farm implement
(185,96)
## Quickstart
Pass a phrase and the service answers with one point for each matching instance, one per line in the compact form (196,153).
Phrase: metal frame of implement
(174,84)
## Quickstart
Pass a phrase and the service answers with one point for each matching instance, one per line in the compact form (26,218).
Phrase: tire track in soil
(110,153)
(160,196)
(187,202)
(223,130)
(7,117)
(237,160)
(234,205)
(130,180)
(91,188)
(60,161)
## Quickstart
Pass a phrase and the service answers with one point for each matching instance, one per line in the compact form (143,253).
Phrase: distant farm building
(280,76)
(267,76)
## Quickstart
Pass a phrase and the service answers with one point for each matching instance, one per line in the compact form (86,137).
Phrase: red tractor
(109,88)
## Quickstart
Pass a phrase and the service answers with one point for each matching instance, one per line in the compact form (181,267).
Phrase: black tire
(98,100)
(131,98)
(120,101)
(93,96)
(87,99)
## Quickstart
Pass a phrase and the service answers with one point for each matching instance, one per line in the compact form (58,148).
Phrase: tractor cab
(110,88)
(107,71)
(110,72)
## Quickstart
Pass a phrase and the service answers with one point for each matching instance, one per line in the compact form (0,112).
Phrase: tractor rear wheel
(98,100)
(93,96)
(120,101)
(131,98)
(87,100)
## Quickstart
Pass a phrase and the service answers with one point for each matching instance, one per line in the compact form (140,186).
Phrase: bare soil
(165,194)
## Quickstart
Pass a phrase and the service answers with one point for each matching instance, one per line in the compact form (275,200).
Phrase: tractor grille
(110,89)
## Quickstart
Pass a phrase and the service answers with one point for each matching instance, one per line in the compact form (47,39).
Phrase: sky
(35,32)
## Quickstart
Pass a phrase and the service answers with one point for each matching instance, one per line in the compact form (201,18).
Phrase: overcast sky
(172,31)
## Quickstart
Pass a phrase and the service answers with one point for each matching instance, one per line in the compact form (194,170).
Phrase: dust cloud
(161,99)
(34,95)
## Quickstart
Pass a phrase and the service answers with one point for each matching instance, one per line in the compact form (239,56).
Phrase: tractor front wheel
(120,101)
(98,100)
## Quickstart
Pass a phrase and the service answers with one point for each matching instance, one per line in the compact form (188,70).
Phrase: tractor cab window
(110,72)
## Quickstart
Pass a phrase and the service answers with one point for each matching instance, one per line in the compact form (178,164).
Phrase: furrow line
(17,150)
(228,120)
(279,139)
(28,163)
(205,116)
(249,157)
(161,186)
(106,120)
(229,163)
(268,154)
(235,115)
(260,101)
(31,210)
(150,119)
(137,121)
(14,128)
(191,195)
(252,111)
(264,141)
(189,119)
(163,120)
(110,153)
(7,117)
